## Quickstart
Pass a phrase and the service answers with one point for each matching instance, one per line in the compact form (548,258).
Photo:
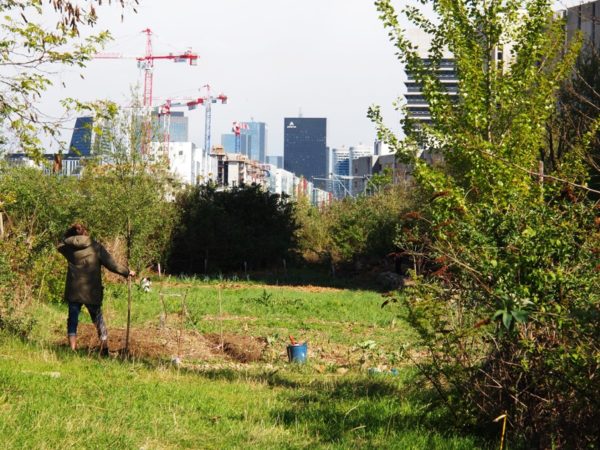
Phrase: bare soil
(239,347)
(237,286)
(166,343)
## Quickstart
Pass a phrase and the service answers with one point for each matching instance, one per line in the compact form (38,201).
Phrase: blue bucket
(297,352)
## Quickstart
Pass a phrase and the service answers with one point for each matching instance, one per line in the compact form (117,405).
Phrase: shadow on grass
(379,407)
(379,411)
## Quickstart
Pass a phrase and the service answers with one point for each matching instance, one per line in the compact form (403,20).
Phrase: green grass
(339,316)
(53,398)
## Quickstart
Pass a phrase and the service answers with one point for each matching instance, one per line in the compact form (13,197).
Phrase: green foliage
(30,49)
(571,131)
(241,228)
(507,299)
(353,228)
(123,200)
(126,193)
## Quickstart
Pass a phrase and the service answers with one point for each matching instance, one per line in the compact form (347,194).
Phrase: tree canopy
(32,48)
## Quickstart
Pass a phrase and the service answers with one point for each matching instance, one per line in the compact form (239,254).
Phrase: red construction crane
(207,100)
(237,128)
(146,63)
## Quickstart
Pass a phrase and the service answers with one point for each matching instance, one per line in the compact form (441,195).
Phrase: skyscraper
(178,127)
(257,136)
(305,147)
(228,143)
(275,160)
(81,139)
(345,171)
(417,106)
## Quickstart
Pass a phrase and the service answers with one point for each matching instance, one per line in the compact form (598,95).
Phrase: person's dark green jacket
(84,278)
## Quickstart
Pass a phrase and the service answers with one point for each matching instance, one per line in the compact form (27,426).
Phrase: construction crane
(237,128)
(146,63)
(206,100)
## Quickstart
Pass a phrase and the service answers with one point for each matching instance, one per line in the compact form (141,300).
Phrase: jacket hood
(79,242)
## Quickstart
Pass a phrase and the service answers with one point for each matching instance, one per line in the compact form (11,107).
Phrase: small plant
(265,299)
(368,349)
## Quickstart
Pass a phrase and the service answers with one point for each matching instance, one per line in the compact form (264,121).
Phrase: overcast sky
(272,58)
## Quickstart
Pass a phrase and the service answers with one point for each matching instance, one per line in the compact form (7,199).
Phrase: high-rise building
(81,139)
(585,17)
(87,141)
(345,173)
(178,127)
(305,147)
(275,160)
(228,143)
(257,139)
(416,104)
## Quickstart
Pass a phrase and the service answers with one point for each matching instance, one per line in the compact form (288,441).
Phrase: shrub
(223,230)
(506,303)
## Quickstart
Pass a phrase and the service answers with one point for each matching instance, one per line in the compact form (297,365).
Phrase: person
(85,258)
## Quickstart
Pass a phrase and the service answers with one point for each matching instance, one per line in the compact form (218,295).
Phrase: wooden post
(128,315)
(126,351)
(222,344)
(1,225)
(541,172)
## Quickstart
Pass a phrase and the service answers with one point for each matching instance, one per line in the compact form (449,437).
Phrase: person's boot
(73,342)
(104,348)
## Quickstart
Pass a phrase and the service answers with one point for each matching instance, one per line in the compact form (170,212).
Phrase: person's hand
(132,273)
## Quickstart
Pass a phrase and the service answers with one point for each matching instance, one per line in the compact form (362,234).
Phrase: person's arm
(109,262)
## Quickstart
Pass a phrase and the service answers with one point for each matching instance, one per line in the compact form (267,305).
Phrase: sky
(272,58)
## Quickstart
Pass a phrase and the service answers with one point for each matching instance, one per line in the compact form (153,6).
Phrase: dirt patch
(238,286)
(311,288)
(226,316)
(239,347)
(155,343)
(167,343)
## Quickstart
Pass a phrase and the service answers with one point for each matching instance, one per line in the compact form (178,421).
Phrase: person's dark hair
(77,229)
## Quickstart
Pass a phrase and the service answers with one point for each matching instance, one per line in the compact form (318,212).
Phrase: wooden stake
(128,287)
(128,314)
(221,317)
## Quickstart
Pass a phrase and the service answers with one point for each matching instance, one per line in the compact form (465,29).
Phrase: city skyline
(273,59)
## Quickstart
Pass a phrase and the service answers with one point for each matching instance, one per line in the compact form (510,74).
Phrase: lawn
(51,397)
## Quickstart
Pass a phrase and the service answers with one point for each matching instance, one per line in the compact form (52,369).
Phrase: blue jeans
(95,314)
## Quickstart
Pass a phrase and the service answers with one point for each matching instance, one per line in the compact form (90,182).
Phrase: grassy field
(52,398)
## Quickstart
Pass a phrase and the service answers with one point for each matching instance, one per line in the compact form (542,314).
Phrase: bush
(244,227)
(352,229)
(507,301)
(38,208)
